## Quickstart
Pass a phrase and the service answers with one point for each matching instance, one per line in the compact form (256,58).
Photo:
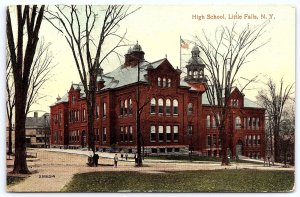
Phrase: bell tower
(195,68)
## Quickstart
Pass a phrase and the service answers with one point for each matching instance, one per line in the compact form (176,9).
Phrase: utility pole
(138,119)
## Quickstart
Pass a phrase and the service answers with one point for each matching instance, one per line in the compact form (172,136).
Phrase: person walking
(126,156)
(96,158)
(115,161)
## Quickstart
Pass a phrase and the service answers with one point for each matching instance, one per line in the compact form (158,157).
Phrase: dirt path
(56,169)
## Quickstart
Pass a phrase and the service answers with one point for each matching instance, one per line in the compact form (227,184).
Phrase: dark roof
(37,122)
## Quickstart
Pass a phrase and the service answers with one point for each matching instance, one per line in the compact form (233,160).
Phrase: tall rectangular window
(161,133)
(258,140)
(97,111)
(175,107)
(214,140)
(176,136)
(190,129)
(121,134)
(168,107)
(152,134)
(104,109)
(121,107)
(208,140)
(83,114)
(190,109)
(103,135)
(130,134)
(126,134)
(160,106)
(168,132)
(152,106)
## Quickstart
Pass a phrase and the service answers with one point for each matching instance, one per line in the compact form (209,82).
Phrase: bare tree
(39,74)
(224,56)
(88,40)
(22,49)
(10,102)
(274,99)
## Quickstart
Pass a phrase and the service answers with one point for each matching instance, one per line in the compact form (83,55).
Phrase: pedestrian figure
(96,158)
(126,156)
(116,160)
(269,160)
(121,155)
(135,159)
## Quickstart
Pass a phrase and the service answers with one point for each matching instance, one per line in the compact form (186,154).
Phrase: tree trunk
(10,135)
(276,142)
(20,165)
(90,103)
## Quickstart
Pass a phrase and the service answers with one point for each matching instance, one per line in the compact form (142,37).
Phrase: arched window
(158,81)
(213,122)
(104,110)
(168,107)
(125,107)
(175,107)
(249,123)
(257,123)
(169,82)
(208,121)
(130,106)
(164,83)
(121,107)
(160,106)
(253,123)
(152,106)
(238,122)
(190,109)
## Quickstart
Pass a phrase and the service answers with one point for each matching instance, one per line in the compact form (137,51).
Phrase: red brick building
(176,116)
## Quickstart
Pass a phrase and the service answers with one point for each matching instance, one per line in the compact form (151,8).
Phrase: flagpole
(180,51)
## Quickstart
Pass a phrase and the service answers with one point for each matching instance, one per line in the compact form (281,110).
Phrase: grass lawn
(194,158)
(184,181)
(11,180)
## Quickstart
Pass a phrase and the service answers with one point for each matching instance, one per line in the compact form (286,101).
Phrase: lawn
(184,181)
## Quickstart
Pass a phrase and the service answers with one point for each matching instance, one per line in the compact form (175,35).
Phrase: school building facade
(176,116)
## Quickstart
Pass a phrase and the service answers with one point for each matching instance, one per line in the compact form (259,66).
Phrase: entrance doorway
(239,148)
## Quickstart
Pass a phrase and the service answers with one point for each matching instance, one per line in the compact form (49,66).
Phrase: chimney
(36,115)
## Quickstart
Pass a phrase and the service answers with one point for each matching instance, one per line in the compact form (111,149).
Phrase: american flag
(184,44)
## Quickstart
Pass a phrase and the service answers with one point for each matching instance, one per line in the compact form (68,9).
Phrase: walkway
(55,168)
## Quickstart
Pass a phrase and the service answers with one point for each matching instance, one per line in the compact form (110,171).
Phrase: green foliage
(11,180)
(184,181)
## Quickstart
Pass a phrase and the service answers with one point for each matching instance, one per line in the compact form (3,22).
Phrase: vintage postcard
(150,98)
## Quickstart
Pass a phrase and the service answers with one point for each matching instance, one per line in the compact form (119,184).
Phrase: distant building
(38,131)
(176,116)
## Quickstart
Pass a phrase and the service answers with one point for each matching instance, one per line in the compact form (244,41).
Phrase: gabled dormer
(236,98)
(74,93)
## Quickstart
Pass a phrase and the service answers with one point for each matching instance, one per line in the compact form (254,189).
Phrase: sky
(158,28)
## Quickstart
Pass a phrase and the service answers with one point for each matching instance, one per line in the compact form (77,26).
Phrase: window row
(74,136)
(252,140)
(164,133)
(57,118)
(125,107)
(126,134)
(57,137)
(249,123)
(212,141)
(76,115)
(211,121)
(234,102)
(163,82)
(160,106)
